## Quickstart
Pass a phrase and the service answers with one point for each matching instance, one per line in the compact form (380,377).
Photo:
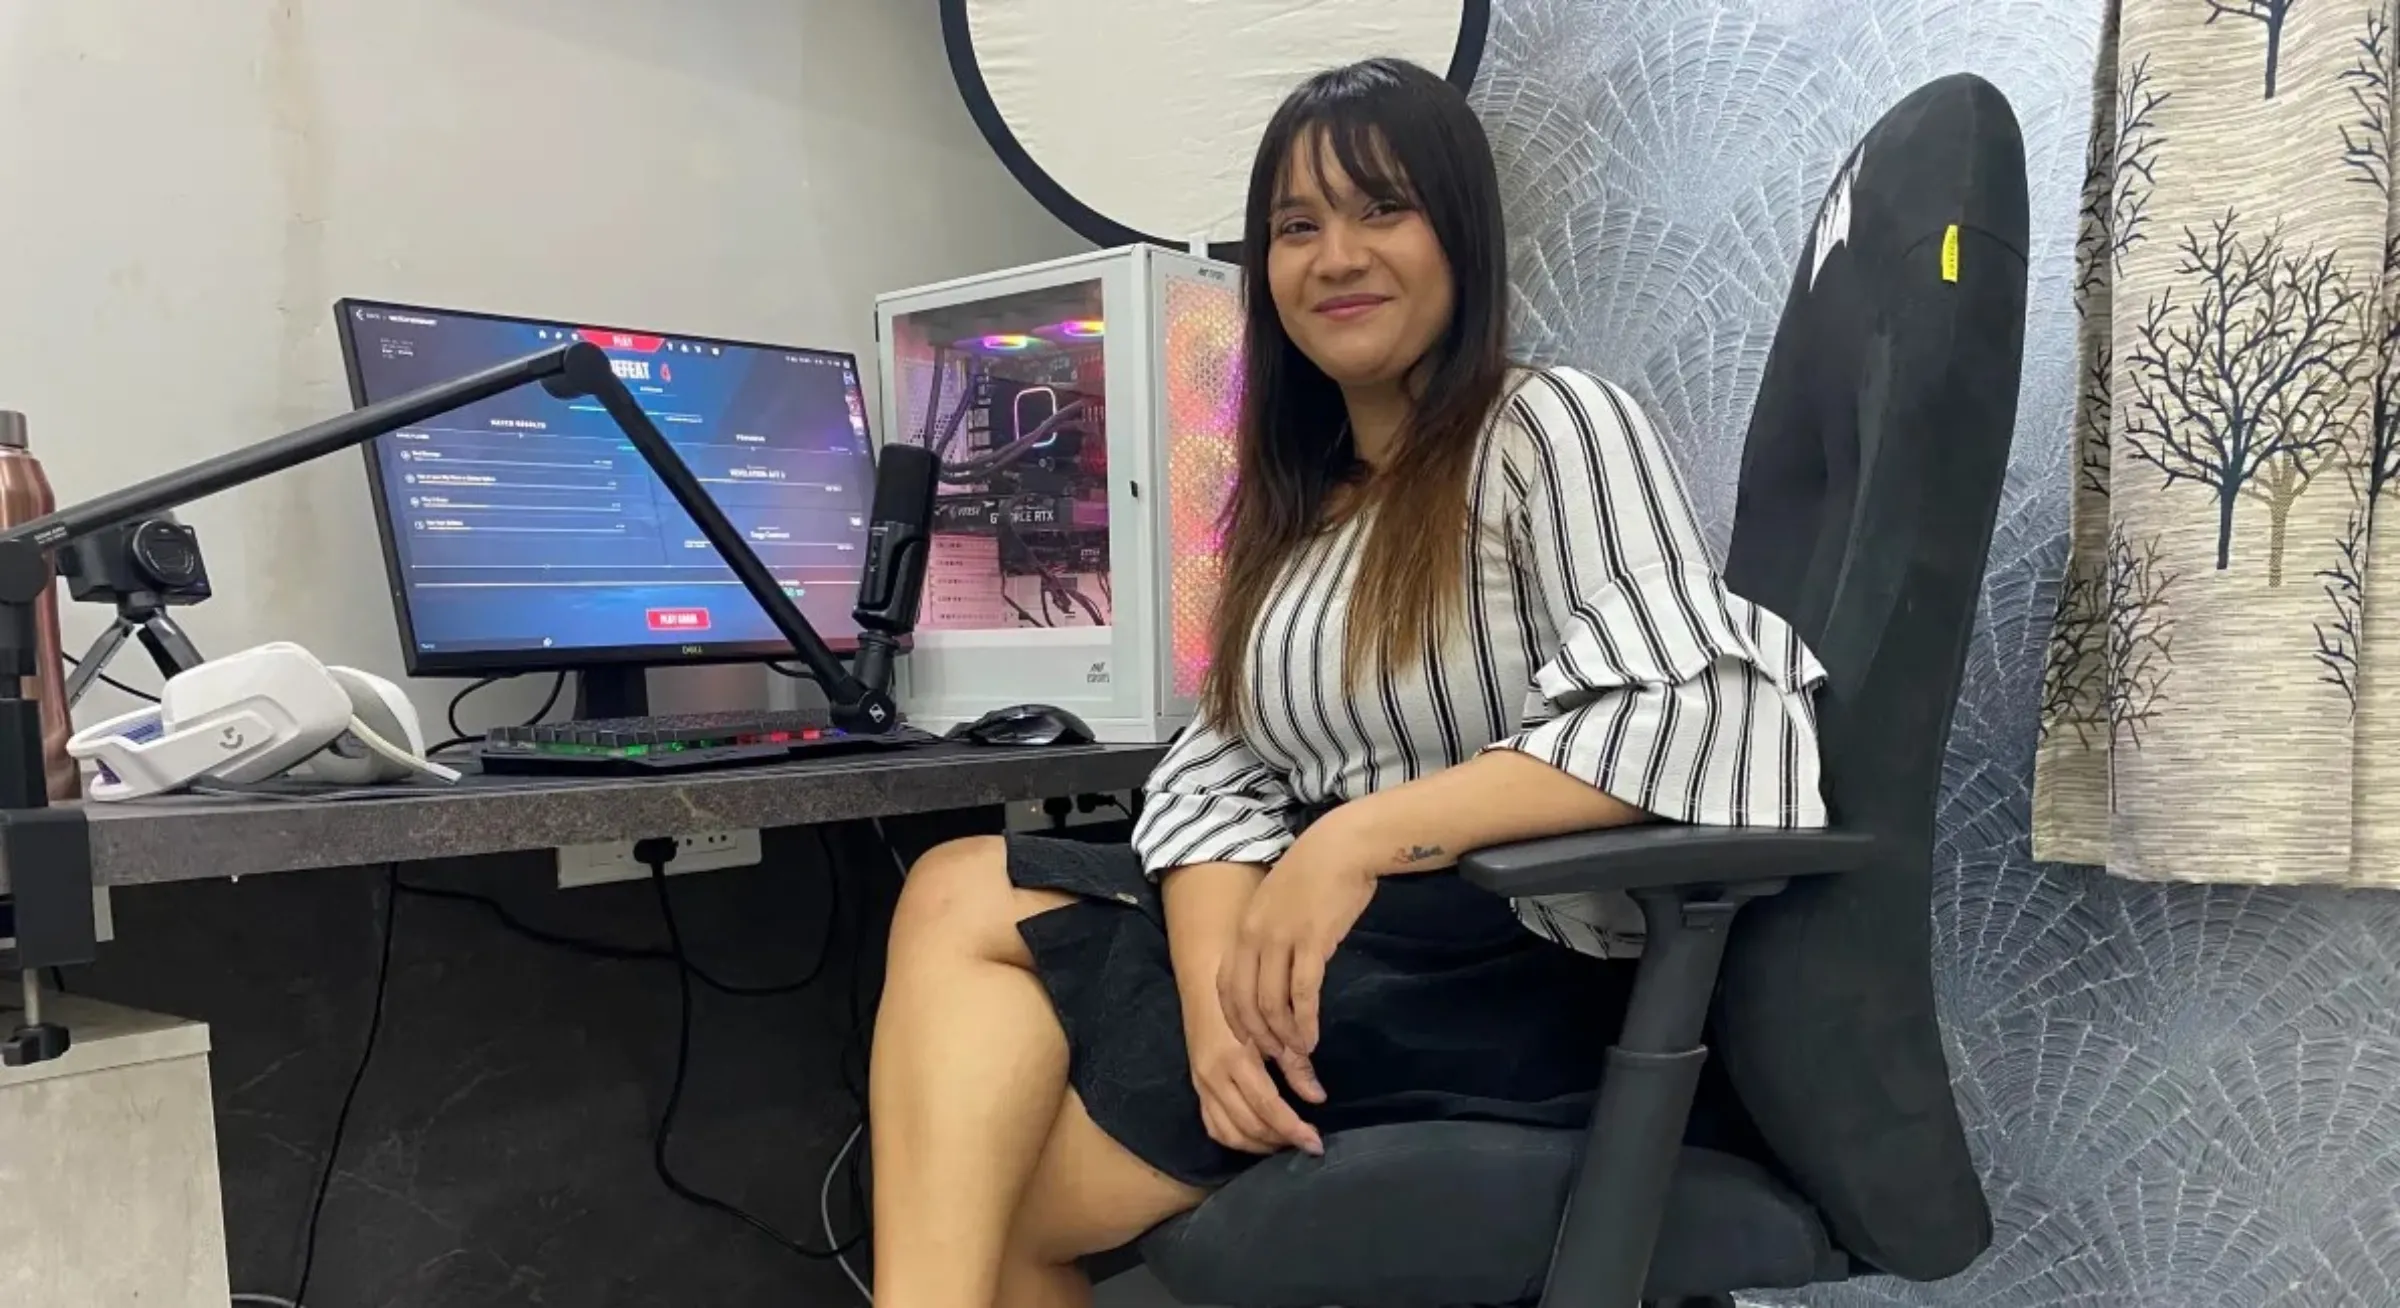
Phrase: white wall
(187,185)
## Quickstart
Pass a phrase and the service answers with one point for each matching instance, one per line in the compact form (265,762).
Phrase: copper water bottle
(24,496)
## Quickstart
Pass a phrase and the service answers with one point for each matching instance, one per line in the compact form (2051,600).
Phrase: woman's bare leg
(969,1078)
(1088,1195)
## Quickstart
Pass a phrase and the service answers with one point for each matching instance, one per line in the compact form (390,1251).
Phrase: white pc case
(1085,412)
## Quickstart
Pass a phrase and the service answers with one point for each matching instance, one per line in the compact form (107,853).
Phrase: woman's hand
(1239,1103)
(1272,978)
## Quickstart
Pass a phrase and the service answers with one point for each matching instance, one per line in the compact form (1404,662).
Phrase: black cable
(845,658)
(558,686)
(979,466)
(933,396)
(1055,585)
(358,1077)
(683,1058)
(685,973)
(855,1039)
(853,1158)
(450,714)
(1052,585)
(58,980)
(507,918)
(1030,620)
(74,662)
(854,1042)
(1005,531)
(612,952)
(1090,609)
(460,736)
(1053,582)
(833,908)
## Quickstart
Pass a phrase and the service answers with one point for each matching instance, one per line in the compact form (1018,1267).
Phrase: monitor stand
(617,690)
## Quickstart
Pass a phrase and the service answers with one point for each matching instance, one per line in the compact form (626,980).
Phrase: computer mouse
(1027,724)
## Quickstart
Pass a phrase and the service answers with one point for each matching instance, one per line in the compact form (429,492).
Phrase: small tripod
(143,616)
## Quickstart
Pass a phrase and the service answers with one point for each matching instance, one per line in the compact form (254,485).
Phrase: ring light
(1135,120)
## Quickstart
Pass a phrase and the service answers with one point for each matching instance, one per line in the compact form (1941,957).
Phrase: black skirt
(1440,1005)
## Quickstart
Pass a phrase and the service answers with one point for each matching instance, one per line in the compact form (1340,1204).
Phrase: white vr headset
(254,715)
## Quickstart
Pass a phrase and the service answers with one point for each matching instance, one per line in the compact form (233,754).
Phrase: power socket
(707,851)
(1028,815)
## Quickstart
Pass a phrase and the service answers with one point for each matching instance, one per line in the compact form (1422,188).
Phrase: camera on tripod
(144,568)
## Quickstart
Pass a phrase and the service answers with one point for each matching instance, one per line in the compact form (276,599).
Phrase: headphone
(254,715)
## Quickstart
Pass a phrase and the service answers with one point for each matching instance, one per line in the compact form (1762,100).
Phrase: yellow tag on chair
(1950,254)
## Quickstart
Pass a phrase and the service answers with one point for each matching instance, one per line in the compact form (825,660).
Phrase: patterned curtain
(2222,694)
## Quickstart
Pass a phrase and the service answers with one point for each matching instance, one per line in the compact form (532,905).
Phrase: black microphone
(899,537)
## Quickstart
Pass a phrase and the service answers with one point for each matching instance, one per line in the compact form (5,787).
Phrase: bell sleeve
(1664,689)
(1211,800)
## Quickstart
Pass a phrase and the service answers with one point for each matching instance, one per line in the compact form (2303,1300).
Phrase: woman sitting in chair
(1464,605)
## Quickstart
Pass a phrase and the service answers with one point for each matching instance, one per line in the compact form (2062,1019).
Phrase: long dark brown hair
(1403,136)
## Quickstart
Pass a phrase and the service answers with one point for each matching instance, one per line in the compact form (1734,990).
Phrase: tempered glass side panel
(1011,393)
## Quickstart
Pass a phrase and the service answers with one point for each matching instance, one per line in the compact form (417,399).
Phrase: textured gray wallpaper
(2181,1096)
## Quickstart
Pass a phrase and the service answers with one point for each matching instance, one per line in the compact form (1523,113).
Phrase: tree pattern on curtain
(2222,690)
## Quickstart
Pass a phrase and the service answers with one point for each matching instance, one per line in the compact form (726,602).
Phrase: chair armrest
(1691,882)
(1661,856)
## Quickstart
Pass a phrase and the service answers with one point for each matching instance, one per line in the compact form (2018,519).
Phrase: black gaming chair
(1869,484)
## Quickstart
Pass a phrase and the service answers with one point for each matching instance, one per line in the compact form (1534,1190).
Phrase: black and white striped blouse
(1599,637)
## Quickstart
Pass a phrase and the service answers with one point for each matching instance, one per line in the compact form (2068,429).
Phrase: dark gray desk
(198,837)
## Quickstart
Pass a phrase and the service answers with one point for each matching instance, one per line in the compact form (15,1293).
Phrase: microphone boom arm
(46,852)
(574,371)
(856,705)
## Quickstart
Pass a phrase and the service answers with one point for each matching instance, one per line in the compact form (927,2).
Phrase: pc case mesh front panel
(1202,321)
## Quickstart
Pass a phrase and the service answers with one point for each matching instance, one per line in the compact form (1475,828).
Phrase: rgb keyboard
(678,741)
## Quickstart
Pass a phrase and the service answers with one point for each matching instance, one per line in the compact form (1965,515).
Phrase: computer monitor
(525,534)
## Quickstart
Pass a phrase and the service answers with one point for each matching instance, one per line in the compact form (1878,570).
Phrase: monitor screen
(526,532)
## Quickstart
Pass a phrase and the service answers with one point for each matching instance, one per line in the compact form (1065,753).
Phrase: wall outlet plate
(1027,815)
(706,851)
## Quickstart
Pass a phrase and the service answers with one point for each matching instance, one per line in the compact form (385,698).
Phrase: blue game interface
(528,523)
